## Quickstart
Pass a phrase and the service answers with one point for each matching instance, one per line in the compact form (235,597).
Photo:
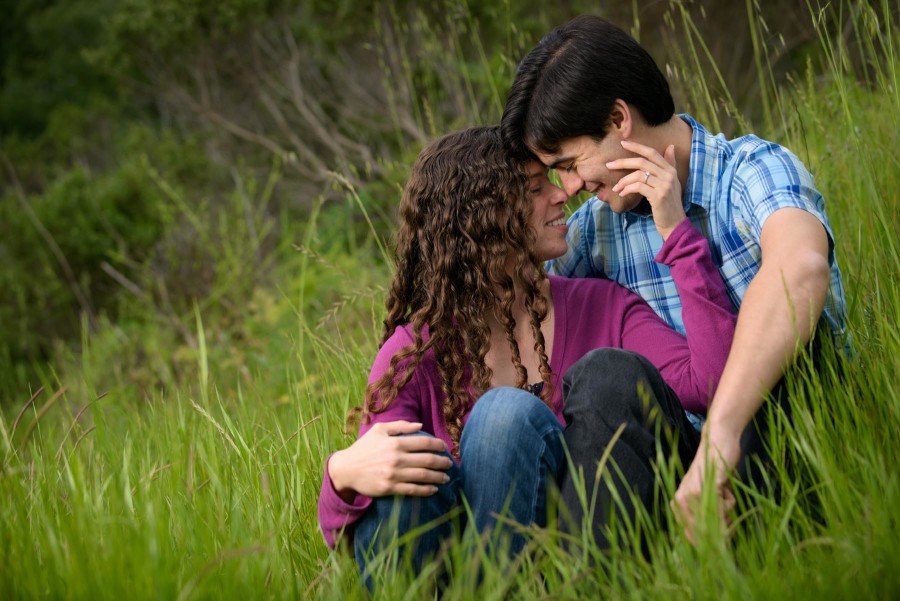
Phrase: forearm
(337,470)
(707,312)
(777,317)
(335,512)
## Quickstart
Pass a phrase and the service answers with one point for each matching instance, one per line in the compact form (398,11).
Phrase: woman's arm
(691,366)
(382,461)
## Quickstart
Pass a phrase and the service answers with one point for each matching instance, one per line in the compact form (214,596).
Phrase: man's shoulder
(746,152)
(754,157)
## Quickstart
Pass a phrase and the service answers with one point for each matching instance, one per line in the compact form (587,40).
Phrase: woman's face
(547,217)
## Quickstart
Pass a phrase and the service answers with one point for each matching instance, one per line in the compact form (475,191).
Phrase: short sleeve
(771,177)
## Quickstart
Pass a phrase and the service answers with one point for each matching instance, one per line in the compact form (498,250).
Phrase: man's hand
(656,179)
(382,463)
(714,459)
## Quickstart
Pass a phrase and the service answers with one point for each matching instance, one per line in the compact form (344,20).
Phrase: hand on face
(382,463)
(655,178)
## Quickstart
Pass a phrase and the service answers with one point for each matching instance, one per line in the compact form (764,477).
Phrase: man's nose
(560,196)
(571,182)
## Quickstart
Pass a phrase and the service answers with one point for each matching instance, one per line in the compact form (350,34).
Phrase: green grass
(208,486)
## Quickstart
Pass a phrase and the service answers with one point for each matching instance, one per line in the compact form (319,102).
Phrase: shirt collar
(705,159)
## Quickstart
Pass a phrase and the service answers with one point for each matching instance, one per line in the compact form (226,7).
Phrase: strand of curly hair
(463,213)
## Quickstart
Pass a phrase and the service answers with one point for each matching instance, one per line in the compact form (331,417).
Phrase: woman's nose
(560,196)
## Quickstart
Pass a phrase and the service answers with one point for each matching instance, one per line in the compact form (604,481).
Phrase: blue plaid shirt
(732,188)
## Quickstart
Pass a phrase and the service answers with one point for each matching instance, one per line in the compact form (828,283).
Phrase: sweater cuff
(683,233)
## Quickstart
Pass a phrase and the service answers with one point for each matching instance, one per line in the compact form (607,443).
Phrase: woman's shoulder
(400,340)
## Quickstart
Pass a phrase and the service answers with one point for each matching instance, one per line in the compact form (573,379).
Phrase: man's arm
(779,311)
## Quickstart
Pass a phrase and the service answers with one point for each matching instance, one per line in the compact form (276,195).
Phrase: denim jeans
(511,450)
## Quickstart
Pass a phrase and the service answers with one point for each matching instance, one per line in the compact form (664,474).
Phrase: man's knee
(611,364)
(605,378)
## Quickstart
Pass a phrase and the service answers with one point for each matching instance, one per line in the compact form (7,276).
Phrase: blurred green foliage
(157,156)
(43,66)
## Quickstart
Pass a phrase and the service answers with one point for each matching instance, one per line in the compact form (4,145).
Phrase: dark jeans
(609,389)
(510,452)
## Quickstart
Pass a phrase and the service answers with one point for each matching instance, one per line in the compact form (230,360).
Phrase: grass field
(208,489)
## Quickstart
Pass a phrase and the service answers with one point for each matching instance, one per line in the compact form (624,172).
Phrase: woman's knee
(506,420)
(507,409)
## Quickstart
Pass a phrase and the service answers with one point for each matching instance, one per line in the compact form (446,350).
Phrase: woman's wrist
(337,473)
(667,231)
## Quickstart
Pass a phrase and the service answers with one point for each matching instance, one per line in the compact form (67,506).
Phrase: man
(589,102)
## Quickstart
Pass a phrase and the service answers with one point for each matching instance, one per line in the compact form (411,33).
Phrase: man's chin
(642,207)
(633,203)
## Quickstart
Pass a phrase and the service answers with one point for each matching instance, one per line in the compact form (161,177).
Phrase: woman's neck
(499,356)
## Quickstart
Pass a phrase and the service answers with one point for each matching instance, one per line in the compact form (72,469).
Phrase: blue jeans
(511,449)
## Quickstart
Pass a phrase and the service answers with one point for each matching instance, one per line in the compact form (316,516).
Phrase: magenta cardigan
(588,314)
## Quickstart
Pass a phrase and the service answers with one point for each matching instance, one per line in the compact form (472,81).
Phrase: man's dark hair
(567,85)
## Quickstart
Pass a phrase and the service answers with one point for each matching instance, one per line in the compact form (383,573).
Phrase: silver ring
(646,176)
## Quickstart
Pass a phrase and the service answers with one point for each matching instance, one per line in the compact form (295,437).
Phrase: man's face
(547,217)
(581,165)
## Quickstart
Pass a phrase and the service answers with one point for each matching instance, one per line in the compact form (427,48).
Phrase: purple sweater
(588,314)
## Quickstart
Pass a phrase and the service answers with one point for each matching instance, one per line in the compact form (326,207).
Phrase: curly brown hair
(463,217)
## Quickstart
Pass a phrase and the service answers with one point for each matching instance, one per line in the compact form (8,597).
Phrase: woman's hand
(656,179)
(382,463)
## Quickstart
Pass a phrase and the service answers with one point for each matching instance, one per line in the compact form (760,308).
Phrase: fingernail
(446,478)
(609,165)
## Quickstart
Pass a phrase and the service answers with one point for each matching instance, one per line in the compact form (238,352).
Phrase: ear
(621,119)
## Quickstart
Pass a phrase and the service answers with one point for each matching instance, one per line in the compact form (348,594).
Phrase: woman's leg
(390,522)
(605,391)
(511,450)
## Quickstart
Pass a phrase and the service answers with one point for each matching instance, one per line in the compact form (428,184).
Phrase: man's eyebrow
(555,164)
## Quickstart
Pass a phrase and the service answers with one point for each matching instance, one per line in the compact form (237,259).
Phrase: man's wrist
(721,431)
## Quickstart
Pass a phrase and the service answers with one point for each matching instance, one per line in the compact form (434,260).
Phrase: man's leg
(389,522)
(511,453)
(756,463)
(604,391)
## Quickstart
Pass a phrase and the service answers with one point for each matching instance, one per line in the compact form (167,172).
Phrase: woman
(472,315)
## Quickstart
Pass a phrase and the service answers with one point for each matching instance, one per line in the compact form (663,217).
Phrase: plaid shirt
(732,187)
